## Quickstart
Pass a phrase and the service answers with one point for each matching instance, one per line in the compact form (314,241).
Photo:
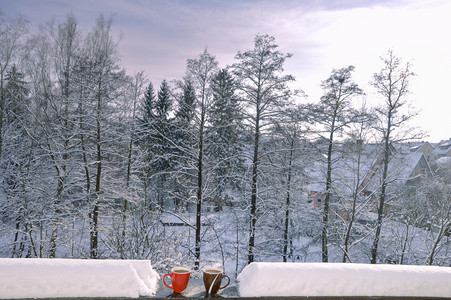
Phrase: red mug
(179,279)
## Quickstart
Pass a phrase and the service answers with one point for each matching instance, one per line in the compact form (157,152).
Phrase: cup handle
(165,275)
(228,281)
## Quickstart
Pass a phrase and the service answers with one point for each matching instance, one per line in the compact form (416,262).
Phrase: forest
(224,166)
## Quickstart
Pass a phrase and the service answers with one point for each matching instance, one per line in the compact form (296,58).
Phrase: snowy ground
(50,278)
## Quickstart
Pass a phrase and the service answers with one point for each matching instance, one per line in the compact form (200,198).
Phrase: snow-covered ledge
(50,278)
(341,280)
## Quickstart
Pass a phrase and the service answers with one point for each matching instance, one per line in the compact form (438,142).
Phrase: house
(443,149)
(406,168)
(345,164)
(422,147)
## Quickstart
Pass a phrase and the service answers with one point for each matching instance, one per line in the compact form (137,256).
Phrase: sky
(158,36)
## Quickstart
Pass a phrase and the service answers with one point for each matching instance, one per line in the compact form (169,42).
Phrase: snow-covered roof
(442,148)
(444,160)
(403,163)
(344,169)
(408,163)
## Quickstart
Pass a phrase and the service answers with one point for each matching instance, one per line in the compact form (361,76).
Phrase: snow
(49,278)
(341,280)
(57,278)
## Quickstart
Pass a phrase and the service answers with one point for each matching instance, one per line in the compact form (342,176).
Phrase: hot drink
(179,279)
(213,278)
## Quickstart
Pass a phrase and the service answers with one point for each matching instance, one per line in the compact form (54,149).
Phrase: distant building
(407,167)
(443,149)
(422,147)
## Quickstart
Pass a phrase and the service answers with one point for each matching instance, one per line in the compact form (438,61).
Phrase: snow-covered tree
(201,71)
(392,84)
(12,34)
(102,101)
(264,91)
(225,135)
(334,113)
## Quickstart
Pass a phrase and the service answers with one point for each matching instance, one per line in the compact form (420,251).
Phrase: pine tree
(148,106)
(182,145)
(163,104)
(186,104)
(17,165)
(161,146)
(224,144)
(12,32)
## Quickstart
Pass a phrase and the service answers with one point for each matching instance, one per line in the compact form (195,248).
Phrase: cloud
(158,37)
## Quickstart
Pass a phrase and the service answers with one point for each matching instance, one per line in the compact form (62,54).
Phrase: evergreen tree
(146,120)
(147,137)
(224,145)
(17,166)
(12,33)
(182,145)
(148,106)
(186,104)
(163,104)
(161,147)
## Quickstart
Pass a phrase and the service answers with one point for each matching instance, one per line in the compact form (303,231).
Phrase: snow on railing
(56,278)
(343,280)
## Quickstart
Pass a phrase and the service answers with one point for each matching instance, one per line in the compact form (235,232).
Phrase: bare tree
(135,88)
(49,65)
(358,160)
(201,72)
(105,92)
(288,160)
(392,84)
(64,40)
(335,113)
(265,93)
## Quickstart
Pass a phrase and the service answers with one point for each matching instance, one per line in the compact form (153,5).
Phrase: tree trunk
(125,207)
(199,196)
(288,200)
(324,252)
(404,245)
(95,211)
(16,238)
(2,107)
(353,210)
(380,210)
(254,194)
(436,243)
